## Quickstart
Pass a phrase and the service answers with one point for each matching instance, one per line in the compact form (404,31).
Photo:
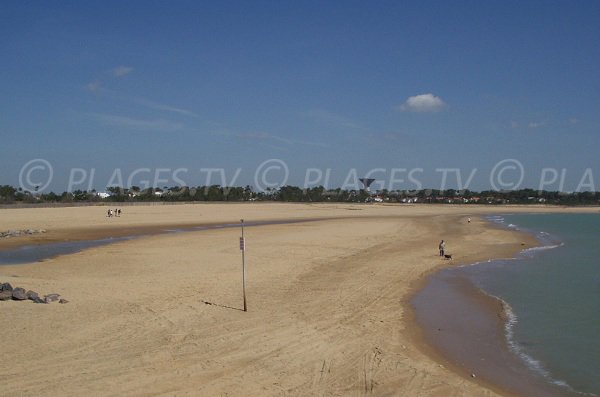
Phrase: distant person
(442,247)
(469,220)
(108,213)
(119,212)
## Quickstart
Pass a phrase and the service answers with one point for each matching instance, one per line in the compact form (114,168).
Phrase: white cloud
(423,103)
(121,71)
(263,136)
(94,86)
(535,124)
(167,108)
(128,122)
(270,140)
(336,120)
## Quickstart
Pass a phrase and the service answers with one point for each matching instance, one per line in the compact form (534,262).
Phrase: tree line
(10,194)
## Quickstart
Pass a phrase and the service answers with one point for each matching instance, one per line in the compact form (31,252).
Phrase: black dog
(448,256)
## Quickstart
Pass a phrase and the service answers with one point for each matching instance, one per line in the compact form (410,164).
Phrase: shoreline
(328,302)
(24,250)
(136,219)
(474,345)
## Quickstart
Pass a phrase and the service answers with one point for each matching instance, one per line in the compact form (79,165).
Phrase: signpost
(243,249)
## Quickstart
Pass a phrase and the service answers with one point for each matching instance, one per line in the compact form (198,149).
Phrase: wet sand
(329,302)
(468,327)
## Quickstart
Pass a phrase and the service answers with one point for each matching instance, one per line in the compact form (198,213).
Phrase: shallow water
(554,295)
(551,297)
(463,324)
(35,253)
(40,252)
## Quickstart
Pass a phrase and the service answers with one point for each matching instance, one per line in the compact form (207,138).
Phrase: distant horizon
(461,95)
(10,193)
(505,175)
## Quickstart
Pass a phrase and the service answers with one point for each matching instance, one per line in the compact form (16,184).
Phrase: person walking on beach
(442,247)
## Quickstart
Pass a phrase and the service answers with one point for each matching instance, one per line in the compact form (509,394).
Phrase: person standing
(442,247)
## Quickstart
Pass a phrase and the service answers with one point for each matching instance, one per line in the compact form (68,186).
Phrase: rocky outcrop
(22,232)
(7,292)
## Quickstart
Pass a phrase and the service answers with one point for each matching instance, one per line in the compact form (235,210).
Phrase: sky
(427,94)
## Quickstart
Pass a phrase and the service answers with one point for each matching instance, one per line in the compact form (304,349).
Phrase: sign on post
(243,249)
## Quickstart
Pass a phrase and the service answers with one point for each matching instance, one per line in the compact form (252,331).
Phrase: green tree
(7,193)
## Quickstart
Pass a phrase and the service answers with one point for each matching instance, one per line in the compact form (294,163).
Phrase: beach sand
(329,308)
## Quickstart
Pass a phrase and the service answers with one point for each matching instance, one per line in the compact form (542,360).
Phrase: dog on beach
(448,256)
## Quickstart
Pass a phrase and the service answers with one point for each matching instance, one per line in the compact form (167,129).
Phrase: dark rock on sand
(7,292)
(63,301)
(51,298)
(19,294)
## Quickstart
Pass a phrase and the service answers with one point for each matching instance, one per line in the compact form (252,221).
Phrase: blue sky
(319,92)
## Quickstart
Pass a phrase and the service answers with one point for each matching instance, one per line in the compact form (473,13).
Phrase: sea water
(552,294)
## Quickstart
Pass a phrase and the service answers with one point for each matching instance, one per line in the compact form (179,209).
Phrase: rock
(51,298)
(19,294)
(473,376)
(63,301)
(7,292)
(16,233)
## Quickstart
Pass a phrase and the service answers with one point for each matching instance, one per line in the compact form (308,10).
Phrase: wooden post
(243,249)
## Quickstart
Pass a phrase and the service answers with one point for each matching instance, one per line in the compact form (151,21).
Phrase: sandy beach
(328,300)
